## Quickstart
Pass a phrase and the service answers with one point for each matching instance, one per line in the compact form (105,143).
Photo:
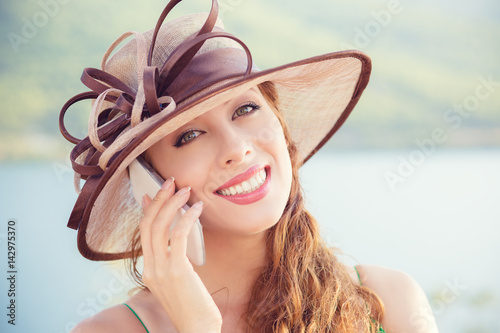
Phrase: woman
(229,141)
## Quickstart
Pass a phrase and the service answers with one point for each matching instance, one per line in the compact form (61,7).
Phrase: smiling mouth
(247,186)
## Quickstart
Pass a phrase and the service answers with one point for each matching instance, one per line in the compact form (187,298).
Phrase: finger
(179,234)
(165,192)
(161,226)
(151,210)
(146,201)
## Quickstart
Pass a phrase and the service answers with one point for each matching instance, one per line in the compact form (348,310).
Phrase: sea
(435,216)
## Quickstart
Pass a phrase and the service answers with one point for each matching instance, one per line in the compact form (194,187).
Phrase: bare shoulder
(114,319)
(120,318)
(406,306)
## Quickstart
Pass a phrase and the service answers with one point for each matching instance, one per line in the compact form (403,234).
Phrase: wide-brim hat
(168,76)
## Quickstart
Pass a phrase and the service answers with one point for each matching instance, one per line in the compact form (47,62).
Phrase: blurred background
(410,181)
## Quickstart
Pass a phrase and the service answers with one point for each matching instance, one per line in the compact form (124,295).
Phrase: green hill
(428,59)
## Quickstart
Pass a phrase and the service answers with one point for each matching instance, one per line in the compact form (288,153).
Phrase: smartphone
(145,180)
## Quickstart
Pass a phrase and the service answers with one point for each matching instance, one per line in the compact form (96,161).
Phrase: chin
(249,221)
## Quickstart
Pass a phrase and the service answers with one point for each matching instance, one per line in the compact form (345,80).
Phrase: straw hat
(166,77)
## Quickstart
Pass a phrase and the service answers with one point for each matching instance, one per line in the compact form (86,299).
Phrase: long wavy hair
(304,287)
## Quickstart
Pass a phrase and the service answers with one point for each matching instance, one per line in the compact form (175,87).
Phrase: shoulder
(114,319)
(120,318)
(406,306)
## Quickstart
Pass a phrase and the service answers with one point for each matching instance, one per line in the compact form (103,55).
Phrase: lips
(245,186)
(248,187)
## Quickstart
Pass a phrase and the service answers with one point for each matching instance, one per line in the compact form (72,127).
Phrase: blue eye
(187,137)
(245,109)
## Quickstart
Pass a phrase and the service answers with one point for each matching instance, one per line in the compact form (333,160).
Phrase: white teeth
(246,186)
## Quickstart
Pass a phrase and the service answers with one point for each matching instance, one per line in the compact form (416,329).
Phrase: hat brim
(316,97)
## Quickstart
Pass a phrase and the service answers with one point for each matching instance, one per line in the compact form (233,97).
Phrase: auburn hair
(304,287)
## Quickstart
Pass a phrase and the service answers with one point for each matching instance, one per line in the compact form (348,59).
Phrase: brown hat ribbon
(128,107)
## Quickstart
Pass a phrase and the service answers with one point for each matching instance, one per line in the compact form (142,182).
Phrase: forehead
(251,95)
(252,92)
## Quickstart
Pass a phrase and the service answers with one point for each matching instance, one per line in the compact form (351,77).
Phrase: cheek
(269,131)
(285,166)
(184,170)
(273,140)
(272,135)
(171,162)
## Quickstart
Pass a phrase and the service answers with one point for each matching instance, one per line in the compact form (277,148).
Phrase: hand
(167,271)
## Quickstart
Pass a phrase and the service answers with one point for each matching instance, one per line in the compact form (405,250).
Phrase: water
(441,225)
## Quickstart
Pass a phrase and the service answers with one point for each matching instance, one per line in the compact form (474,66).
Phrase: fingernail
(197,205)
(167,183)
(183,190)
(143,200)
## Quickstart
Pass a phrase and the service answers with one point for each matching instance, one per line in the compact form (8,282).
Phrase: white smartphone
(144,179)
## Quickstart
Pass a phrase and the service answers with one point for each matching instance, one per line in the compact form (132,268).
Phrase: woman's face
(236,161)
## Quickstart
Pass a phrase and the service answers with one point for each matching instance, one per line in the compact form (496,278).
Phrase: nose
(235,146)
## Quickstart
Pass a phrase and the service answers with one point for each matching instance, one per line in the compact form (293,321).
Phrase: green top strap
(136,316)
(359,277)
(380,329)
